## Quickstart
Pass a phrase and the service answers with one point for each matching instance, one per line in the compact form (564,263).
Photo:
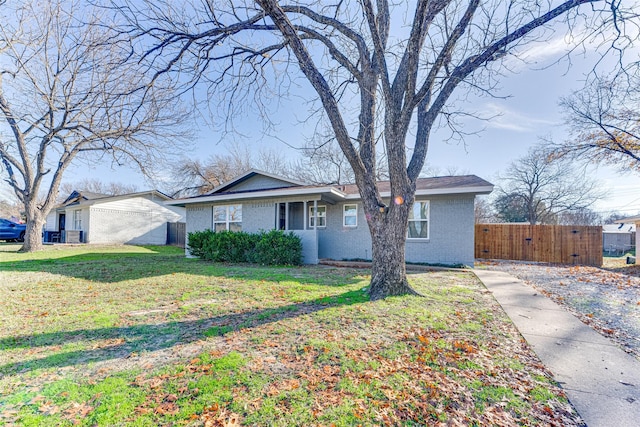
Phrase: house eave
(279,192)
(86,203)
(437,191)
(332,192)
(485,189)
(628,220)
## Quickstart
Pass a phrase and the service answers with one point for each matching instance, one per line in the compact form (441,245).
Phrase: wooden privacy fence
(563,244)
(176,233)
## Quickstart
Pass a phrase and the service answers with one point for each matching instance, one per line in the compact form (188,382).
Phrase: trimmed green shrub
(278,248)
(269,248)
(197,240)
(229,246)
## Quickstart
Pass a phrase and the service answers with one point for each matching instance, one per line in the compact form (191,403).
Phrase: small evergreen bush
(268,248)
(197,240)
(278,248)
(229,246)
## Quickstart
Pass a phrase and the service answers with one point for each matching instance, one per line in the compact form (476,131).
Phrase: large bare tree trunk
(33,235)
(388,237)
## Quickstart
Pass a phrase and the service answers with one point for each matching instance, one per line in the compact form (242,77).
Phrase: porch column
(315,214)
(304,215)
(286,216)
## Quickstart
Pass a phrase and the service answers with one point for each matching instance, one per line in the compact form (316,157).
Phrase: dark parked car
(11,231)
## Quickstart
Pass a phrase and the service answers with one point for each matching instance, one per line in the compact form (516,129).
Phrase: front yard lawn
(142,336)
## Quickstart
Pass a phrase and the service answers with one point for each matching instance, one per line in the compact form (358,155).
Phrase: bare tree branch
(604,119)
(71,91)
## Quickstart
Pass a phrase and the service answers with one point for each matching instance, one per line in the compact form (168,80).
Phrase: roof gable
(79,196)
(87,198)
(255,180)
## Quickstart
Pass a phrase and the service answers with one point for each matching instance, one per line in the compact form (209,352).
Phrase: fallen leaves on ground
(239,345)
(605,299)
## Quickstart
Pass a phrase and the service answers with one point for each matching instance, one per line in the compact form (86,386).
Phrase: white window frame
(427,220)
(77,219)
(322,216)
(227,217)
(344,215)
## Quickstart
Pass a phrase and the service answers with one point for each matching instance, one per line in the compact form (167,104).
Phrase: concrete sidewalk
(601,380)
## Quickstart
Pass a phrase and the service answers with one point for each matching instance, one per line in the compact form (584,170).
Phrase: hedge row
(268,248)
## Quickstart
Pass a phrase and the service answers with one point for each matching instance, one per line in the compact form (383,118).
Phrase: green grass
(141,336)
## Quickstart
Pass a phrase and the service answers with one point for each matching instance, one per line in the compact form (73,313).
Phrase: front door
(61,220)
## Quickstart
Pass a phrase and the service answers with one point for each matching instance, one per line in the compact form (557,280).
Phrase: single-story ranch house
(633,220)
(618,238)
(135,218)
(330,218)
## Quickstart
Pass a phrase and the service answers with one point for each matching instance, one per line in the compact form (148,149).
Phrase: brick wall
(451,229)
(451,234)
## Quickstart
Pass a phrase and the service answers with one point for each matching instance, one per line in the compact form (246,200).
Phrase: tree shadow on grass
(148,338)
(112,267)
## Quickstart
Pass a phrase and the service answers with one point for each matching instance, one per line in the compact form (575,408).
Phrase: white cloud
(540,52)
(501,117)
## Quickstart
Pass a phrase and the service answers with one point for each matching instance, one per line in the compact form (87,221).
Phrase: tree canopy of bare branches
(70,91)
(195,176)
(537,188)
(604,119)
(380,72)
(96,186)
(319,164)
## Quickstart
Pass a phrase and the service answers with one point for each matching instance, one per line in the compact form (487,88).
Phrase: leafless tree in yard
(194,176)
(380,71)
(484,213)
(584,216)
(71,92)
(542,187)
(319,164)
(323,161)
(323,164)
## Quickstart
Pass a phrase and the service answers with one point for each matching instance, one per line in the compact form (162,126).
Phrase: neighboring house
(330,219)
(136,218)
(636,221)
(618,238)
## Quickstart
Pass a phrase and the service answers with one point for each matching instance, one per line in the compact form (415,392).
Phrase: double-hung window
(350,215)
(321,216)
(227,218)
(419,221)
(77,219)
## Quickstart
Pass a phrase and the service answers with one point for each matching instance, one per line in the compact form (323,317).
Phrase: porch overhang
(327,194)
